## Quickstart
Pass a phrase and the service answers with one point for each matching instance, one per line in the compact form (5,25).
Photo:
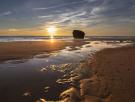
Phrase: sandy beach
(69,71)
(67,50)
(27,49)
(30,70)
(113,77)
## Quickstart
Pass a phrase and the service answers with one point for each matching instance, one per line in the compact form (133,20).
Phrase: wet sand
(47,78)
(27,49)
(113,77)
(28,80)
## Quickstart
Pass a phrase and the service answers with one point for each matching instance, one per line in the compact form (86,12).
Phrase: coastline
(111,78)
(28,49)
(99,78)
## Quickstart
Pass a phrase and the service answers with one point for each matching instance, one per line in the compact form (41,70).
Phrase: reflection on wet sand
(27,94)
(46,76)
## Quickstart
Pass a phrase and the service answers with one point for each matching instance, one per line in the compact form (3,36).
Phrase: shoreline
(28,49)
(111,80)
(114,70)
(113,76)
(89,80)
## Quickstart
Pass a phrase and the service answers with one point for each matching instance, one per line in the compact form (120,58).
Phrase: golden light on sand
(52,30)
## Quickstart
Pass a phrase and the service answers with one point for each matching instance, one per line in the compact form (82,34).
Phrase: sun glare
(52,30)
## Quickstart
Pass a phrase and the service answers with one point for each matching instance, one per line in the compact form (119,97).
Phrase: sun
(52,30)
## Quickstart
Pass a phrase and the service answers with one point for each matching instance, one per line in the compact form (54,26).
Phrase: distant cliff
(78,34)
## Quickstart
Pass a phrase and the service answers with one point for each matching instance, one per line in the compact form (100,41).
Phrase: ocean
(42,38)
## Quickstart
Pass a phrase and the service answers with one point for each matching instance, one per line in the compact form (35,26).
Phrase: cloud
(69,16)
(58,6)
(115,12)
(72,15)
(5,13)
(13,29)
(69,13)
(88,13)
(115,8)
(45,16)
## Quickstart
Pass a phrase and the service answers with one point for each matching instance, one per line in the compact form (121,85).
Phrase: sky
(95,17)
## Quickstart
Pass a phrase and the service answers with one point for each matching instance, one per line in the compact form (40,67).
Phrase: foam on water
(42,38)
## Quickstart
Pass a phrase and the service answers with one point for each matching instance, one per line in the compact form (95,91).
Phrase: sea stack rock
(78,34)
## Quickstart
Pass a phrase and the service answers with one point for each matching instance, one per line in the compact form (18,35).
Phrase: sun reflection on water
(52,40)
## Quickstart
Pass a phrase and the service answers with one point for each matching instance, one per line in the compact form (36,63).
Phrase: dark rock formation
(77,34)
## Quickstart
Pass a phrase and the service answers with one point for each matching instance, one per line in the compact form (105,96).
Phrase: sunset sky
(95,17)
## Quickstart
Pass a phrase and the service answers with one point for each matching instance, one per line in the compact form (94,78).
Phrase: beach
(67,50)
(113,77)
(27,49)
(67,71)
(31,70)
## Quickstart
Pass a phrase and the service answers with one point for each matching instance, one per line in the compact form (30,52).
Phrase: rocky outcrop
(77,34)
